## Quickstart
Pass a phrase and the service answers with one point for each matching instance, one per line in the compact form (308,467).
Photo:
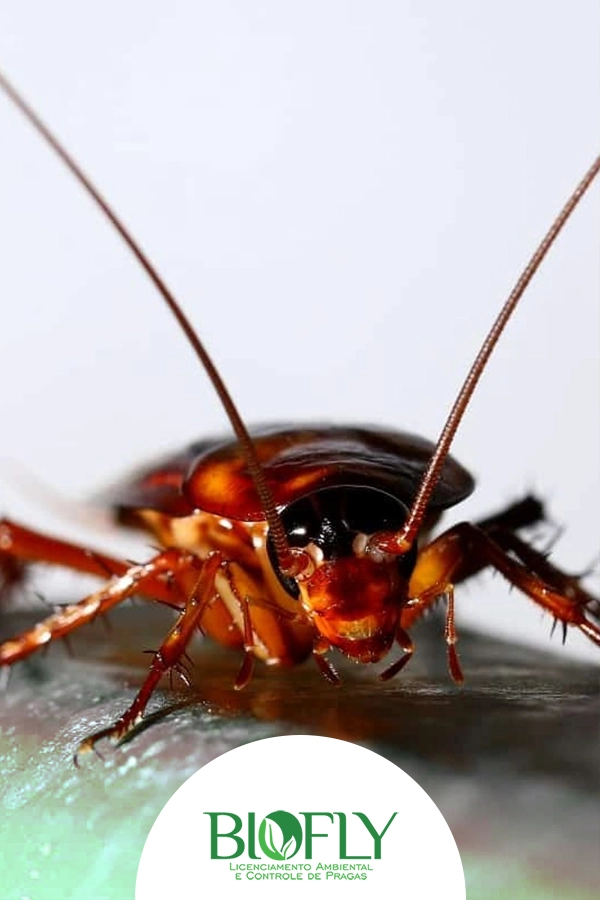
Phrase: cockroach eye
(333,521)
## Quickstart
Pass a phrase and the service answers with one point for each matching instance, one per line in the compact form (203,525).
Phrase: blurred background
(341,194)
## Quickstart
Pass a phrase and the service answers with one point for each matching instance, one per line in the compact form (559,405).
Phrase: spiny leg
(265,631)
(253,615)
(247,667)
(20,546)
(242,602)
(404,640)
(557,592)
(440,590)
(68,618)
(502,528)
(537,562)
(441,565)
(320,647)
(451,638)
(521,514)
(170,652)
(466,549)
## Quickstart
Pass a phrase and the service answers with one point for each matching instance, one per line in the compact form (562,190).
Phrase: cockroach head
(349,591)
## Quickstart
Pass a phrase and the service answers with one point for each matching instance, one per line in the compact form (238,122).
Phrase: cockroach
(290,542)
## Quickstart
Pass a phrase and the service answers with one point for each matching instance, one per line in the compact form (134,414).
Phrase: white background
(341,194)
(294,773)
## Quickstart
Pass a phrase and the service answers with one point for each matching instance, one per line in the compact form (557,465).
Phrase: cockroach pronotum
(290,542)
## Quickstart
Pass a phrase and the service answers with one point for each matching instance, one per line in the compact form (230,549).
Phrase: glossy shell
(211,475)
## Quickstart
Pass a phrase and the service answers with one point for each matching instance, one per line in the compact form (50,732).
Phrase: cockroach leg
(247,667)
(183,672)
(171,651)
(69,618)
(537,562)
(451,638)
(20,546)
(242,602)
(405,642)
(320,648)
(466,549)
(523,513)
(179,668)
(278,611)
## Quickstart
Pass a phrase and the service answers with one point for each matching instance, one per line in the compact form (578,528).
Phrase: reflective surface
(512,759)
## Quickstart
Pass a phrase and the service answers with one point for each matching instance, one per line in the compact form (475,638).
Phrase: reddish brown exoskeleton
(290,542)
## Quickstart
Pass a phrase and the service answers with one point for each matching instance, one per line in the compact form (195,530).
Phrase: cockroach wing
(212,475)
(156,486)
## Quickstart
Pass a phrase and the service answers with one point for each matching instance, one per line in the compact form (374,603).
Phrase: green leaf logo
(280,835)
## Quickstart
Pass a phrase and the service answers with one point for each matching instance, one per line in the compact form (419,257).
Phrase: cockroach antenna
(288,561)
(403,540)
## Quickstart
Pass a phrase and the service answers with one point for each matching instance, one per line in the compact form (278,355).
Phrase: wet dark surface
(512,759)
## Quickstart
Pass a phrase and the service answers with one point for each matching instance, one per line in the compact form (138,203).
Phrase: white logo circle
(296,813)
